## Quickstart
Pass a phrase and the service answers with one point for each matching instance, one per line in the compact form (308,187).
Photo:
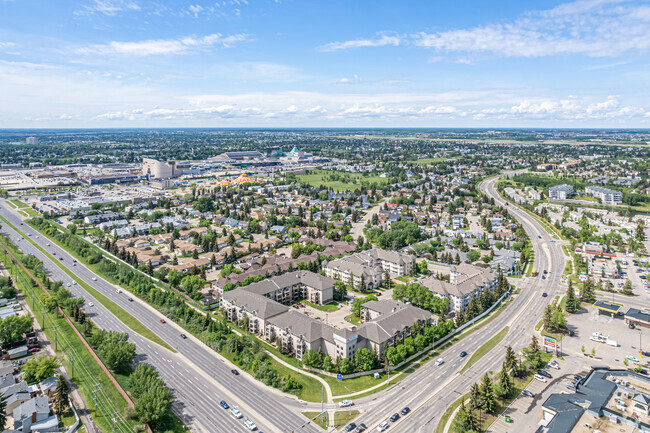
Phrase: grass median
(126,318)
(320,421)
(484,349)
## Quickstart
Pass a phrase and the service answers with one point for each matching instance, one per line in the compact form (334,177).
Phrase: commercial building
(155,169)
(31,140)
(606,400)
(560,192)
(605,195)
(465,282)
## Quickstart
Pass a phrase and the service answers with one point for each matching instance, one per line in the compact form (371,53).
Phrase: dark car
(539,237)
(395,417)
(350,426)
(527,393)
(463,354)
(183,336)
(405,411)
(571,386)
(235,372)
(544,295)
(224,405)
(130,299)
(545,373)
(361,427)
(578,377)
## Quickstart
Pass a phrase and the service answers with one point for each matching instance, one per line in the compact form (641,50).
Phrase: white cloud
(164,46)
(109,7)
(594,28)
(384,39)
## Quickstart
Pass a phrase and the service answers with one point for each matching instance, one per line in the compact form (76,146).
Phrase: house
(31,412)
(465,282)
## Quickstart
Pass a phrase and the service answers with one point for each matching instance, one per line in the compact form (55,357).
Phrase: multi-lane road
(199,378)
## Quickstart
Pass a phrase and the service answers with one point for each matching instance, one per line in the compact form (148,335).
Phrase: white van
(540,378)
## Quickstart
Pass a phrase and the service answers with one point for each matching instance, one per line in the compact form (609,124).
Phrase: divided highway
(198,377)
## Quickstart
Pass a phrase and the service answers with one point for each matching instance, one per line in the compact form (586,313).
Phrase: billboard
(550,343)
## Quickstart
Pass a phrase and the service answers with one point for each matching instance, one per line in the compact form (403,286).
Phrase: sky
(314,63)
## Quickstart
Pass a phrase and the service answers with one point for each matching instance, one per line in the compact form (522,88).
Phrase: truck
(534,272)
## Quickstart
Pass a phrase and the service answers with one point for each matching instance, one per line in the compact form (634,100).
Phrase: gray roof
(468,279)
(289,279)
(36,404)
(261,306)
(387,325)
(18,396)
(13,389)
(299,324)
(384,306)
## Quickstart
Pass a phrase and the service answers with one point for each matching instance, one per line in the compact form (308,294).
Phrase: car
(544,295)
(235,372)
(184,337)
(130,299)
(394,418)
(36,237)
(539,237)
(463,354)
(295,306)
(223,404)
(54,254)
(61,258)
(48,245)
(162,321)
(383,426)
(74,283)
(545,373)
(527,393)
(440,361)
(405,411)
(554,365)
(571,386)
(21,224)
(236,413)
(119,290)
(33,349)
(346,403)
(540,378)
(350,426)
(94,278)
(543,277)
(361,427)
(68,284)
(90,304)
(250,424)
(29,234)
(632,358)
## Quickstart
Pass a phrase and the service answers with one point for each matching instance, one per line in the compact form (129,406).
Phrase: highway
(431,389)
(197,376)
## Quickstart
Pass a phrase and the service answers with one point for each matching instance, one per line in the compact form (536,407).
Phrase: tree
(365,359)
(506,384)
(37,369)
(153,405)
(13,328)
(466,421)
(534,354)
(423,267)
(627,288)
(358,302)
(588,292)
(572,303)
(327,363)
(473,255)
(474,396)
(488,398)
(345,366)
(3,414)
(547,317)
(510,362)
(311,359)
(61,402)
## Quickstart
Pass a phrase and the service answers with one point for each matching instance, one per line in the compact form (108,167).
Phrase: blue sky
(147,63)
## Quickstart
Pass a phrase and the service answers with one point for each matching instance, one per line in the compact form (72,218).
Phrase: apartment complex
(560,192)
(465,282)
(605,195)
(372,265)
(264,305)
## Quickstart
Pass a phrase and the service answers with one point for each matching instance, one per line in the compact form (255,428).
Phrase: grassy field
(427,161)
(485,348)
(118,311)
(347,181)
(17,203)
(328,308)
(343,417)
(28,211)
(321,421)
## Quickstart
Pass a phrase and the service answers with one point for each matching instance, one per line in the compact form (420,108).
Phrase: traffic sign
(339,377)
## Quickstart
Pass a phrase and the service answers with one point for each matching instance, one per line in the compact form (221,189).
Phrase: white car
(440,361)
(540,378)
(90,304)
(119,290)
(94,278)
(554,365)
(236,413)
(74,283)
(250,424)
(383,426)
(345,403)
(48,245)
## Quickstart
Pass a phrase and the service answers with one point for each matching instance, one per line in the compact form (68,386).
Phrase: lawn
(485,348)
(321,421)
(328,308)
(353,319)
(19,204)
(427,161)
(28,211)
(347,182)
(118,311)
(343,417)
(440,428)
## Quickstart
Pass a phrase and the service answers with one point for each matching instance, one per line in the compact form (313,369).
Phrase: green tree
(311,359)
(61,403)
(3,413)
(153,405)
(572,303)
(627,288)
(423,267)
(588,292)
(358,302)
(506,383)
(488,397)
(474,396)
(327,363)
(510,362)
(37,369)
(547,318)
(473,255)
(345,366)
(365,359)
(534,353)
(13,328)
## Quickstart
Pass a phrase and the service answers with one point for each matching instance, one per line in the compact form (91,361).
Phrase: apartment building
(465,282)
(560,192)
(605,195)
(372,265)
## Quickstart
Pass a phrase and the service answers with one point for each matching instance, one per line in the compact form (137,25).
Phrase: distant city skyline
(290,63)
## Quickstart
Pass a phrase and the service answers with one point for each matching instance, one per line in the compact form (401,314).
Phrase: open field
(344,181)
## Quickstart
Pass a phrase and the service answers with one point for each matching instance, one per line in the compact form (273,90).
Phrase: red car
(34,349)
(162,321)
